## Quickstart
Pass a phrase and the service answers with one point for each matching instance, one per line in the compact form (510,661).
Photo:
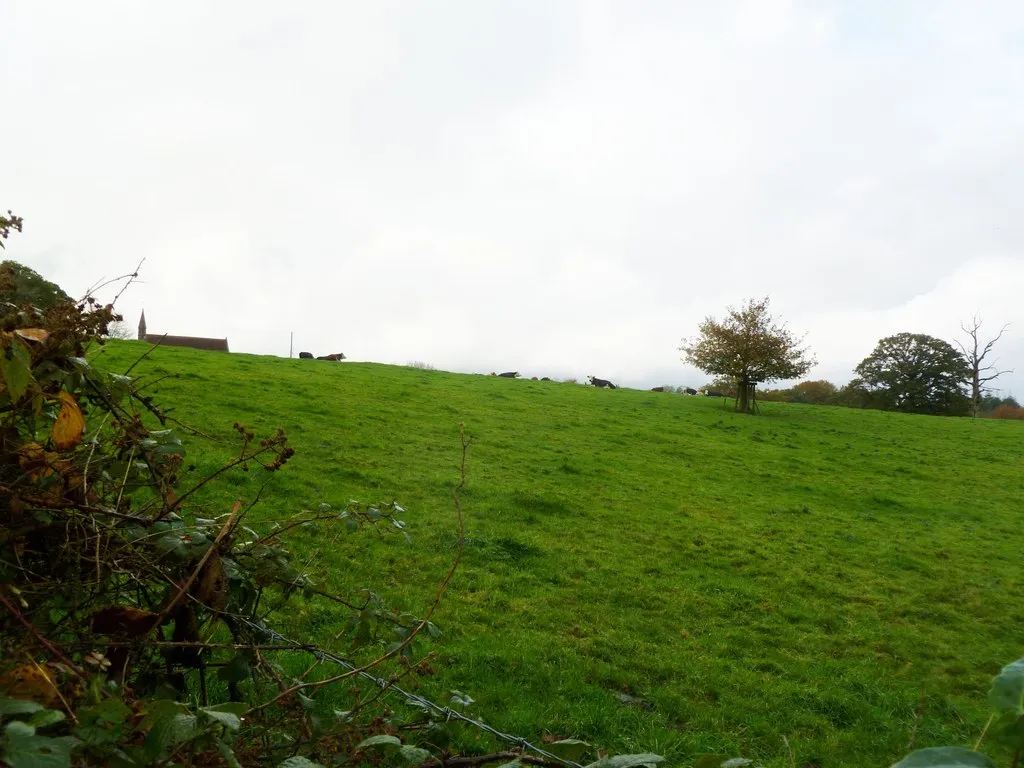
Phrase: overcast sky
(559,188)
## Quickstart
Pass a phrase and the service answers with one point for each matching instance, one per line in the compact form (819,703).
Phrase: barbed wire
(447,712)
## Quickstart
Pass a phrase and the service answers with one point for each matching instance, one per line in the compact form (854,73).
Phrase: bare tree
(974,352)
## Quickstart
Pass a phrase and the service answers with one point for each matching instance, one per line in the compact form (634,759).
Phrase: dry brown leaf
(33,334)
(211,588)
(37,461)
(122,621)
(70,424)
(30,682)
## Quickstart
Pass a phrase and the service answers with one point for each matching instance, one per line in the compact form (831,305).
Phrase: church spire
(142,326)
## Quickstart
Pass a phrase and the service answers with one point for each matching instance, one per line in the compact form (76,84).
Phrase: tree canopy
(916,373)
(21,285)
(749,347)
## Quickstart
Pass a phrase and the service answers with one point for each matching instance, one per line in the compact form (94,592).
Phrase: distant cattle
(534,378)
(509,375)
(336,357)
(657,389)
(601,382)
(690,391)
(305,355)
(709,393)
(545,378)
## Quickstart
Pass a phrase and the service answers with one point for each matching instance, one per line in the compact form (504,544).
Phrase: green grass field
(823,574)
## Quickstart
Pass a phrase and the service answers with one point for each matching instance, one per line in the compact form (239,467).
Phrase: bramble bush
(135,623)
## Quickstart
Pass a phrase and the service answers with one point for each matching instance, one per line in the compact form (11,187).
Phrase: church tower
(142,326)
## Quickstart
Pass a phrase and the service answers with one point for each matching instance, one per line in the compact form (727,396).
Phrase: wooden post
(291,343)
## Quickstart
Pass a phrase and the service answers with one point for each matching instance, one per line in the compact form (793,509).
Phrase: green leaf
(46,717)
(513,764)
(1007,692)
(16,367)
(169,730)
(413,755)
(945,757)
(102,722)
(236,670)
(299,762)
(721,761)
(23,748)
(18,706)
(226,714)
(109,710)
(228,754)
(569,749)
(628,761)
(380,741)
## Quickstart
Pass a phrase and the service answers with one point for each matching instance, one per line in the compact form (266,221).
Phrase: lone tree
(916,373)
(749,348)
(975,352)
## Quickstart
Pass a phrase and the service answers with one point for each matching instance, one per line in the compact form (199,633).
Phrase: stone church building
(194,342)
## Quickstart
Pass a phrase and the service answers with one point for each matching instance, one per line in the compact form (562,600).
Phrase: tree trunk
(745,398)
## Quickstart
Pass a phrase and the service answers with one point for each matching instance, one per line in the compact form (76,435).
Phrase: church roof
(194,342)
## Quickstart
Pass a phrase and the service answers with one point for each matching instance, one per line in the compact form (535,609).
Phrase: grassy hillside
(825,574)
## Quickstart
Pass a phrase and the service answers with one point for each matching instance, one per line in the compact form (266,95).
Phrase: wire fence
(447,712)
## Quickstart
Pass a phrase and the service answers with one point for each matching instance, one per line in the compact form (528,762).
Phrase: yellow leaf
(30,682)
(36,461)
(70,424)
(33,334)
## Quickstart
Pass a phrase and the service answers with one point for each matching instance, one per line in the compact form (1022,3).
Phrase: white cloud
(562,188)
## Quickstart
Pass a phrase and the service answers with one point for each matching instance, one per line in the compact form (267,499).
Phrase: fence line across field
(447,712)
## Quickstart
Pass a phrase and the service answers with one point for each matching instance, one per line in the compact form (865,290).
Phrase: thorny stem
(42,640)
(202,562)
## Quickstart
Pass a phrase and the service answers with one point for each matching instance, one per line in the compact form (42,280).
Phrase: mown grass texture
(649,572)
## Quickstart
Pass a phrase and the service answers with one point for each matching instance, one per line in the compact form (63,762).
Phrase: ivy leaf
(945,757)
(23,748)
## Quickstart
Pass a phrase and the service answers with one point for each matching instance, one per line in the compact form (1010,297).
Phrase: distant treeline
(823,392)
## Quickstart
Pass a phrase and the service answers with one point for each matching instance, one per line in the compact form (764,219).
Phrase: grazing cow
(545,378)
(509,375)
(534,378)
(709,393)
(600,382)
(305,355)
(690,391)
(657,389)
(335,357)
